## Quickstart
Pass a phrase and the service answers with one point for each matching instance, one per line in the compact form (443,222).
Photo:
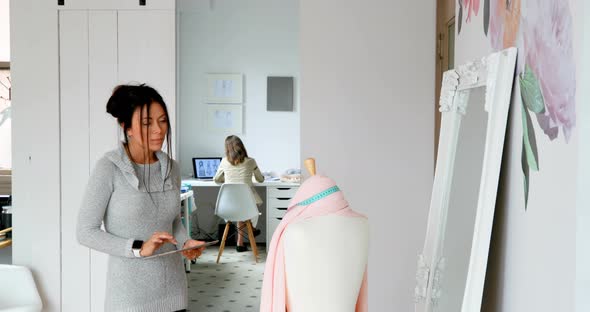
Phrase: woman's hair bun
(127,98)
(119,104)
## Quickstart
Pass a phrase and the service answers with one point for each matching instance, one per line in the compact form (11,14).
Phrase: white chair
(236,203)
(18,292)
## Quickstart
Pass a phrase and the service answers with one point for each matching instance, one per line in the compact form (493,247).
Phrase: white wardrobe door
(104,130)
(103,135)
(147,54)
(36,147)
(98,50)
(73,47)
(120,49)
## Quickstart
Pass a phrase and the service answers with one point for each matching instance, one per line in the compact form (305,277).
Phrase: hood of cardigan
(120,158)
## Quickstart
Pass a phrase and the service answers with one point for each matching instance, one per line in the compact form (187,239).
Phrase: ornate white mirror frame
(495,72)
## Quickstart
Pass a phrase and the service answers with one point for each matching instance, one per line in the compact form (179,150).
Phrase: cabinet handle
(60,2)
(283,198)
(279,218)
(142,2)
(282,208)
(283,188)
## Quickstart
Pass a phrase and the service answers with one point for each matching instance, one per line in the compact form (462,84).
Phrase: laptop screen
(205,167)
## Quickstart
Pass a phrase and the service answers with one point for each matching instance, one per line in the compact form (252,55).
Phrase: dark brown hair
(123,103)
(235,151)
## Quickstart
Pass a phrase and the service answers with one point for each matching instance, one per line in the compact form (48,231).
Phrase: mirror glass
(463,197)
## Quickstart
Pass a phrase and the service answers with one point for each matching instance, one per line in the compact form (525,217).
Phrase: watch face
(137,244)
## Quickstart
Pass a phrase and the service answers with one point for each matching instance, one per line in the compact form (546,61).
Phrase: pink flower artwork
(472,6)
(544,36)
(543,32)
(496,28)
(548,50)
(504,23)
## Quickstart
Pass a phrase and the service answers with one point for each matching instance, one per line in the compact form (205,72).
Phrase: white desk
(201,183)
(278,196)
(186,199)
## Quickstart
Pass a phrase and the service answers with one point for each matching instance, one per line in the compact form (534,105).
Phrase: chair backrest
(17,289)
(236,202)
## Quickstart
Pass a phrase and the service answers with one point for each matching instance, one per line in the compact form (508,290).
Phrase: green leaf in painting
(526,176)
(530,91)
(530,146)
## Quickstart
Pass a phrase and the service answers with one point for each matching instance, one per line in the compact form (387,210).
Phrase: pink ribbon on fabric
(274,286)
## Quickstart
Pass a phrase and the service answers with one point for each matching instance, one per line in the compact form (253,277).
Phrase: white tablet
(181,250)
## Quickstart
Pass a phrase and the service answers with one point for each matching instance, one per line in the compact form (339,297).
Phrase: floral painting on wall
(542,30)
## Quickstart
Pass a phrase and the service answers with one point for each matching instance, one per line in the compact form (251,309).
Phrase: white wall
(4,31)
(583,205)
(257,38)
(532,258)
(367,94)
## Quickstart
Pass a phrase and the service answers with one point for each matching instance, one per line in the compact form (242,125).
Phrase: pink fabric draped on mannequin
(274,286)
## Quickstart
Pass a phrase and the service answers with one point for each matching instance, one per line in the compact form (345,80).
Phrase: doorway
(445,55)
(251,47)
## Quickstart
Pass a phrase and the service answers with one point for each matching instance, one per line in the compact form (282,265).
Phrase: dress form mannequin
(325,261)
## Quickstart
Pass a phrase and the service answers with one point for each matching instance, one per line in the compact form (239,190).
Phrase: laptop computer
(204,168)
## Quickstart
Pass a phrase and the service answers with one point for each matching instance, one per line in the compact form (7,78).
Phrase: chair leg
(252,240)
(223,240)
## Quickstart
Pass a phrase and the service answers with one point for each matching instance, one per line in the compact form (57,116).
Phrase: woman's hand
(194,253)
(155,242)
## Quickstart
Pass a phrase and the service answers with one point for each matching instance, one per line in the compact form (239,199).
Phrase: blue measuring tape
(319,196)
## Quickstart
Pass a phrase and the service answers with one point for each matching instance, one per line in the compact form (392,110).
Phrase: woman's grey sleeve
(91,214)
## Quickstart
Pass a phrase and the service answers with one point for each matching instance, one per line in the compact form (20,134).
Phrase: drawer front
(280,202)
(277,212)
(282,192)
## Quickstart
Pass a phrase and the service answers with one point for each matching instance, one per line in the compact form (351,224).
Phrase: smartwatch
(136,248)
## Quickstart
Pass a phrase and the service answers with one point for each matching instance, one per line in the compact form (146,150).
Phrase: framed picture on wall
(279,94)
(224,118)
(224,88)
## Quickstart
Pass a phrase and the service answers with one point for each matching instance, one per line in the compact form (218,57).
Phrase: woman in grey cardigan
(135,191)
(237,167)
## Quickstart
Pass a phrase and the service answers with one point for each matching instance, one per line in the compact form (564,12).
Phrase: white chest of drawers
(277,202)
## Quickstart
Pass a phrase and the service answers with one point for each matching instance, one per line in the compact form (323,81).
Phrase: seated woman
(237,167)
